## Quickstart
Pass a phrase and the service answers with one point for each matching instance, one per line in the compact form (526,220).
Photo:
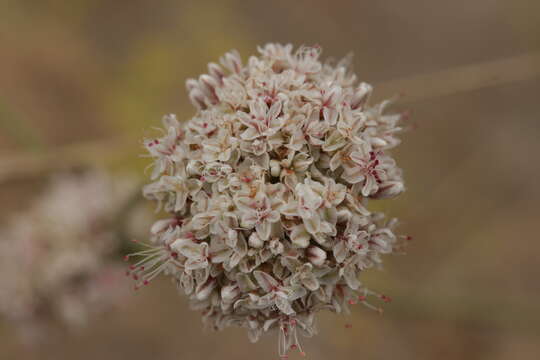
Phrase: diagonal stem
(417,88)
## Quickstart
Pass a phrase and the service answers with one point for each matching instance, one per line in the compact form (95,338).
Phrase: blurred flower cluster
(57,260)
(267,188)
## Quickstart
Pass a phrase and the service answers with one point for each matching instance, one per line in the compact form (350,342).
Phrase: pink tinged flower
(365,169)
(239,252)
(306,60)
(334,193)
(305,276)
(220,147)
(300,237)
(196,254)
(355,203)
(187,282)
(383,240)
(276,247)
(177,185)
(358,241)
(389,189)
(361,95)
(203,220)
(294,166)
(334,141)
(196,94)
(315,130)
(230,292)
(309,198)
(245,283)
(330,101)
(350,124)
(208,85)
(261,216)
(203,291)
(261,120)
(219,251)
(266,281)
(350,273)
(232,62)
(164,224)
(216,72)
(166,150)
(277,294)
(340,250)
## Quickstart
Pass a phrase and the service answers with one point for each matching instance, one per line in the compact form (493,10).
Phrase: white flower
(257,213)
(365,169)
(196,254)
(261,120)
(173,189)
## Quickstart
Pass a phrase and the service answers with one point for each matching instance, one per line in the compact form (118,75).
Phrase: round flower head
(55,264)
(267,187)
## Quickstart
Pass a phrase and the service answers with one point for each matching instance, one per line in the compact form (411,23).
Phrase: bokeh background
(82,82)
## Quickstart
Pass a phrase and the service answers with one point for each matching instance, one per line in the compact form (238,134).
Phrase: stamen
(155,260)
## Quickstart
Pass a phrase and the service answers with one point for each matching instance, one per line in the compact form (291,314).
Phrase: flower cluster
(57,264)
(267,188)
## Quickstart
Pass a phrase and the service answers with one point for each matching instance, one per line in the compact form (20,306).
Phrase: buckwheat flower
(57,262)
(272,180)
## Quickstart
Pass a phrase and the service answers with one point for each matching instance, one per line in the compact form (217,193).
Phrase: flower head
(271,180)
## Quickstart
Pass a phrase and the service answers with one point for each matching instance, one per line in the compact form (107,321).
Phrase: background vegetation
(82,82)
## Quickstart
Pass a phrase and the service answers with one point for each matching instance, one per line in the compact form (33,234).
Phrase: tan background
(95,75)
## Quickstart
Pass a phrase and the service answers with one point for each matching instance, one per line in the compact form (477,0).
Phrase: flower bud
(203,291)
(255,241)
(216,71)
(275,168)
(316,255)
(209,85)
(230,292)
(162,225)
(389,189)
(361,95)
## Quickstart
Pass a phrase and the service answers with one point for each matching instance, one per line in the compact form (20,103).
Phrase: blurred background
(84,81)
